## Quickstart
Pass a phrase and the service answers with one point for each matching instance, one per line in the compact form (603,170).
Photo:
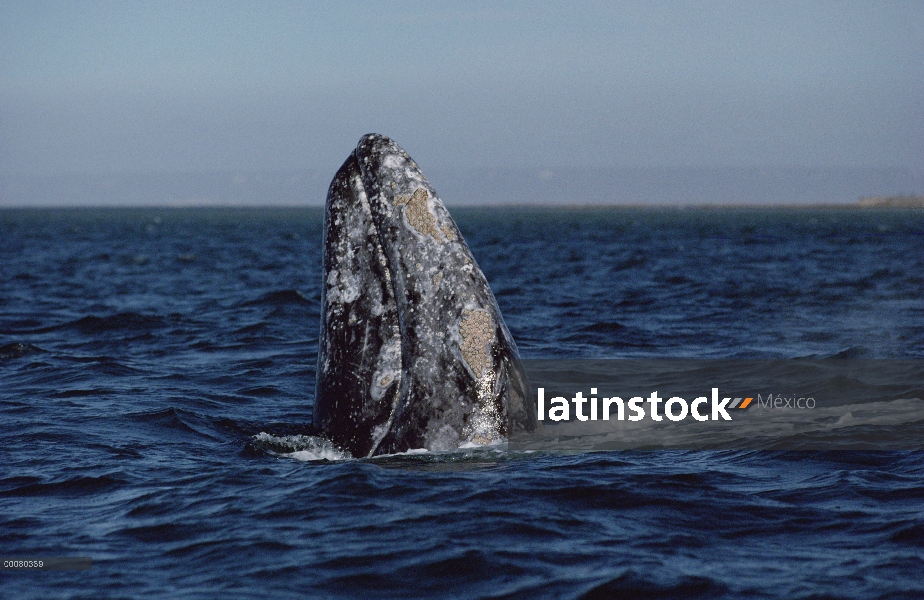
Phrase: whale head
(413,350)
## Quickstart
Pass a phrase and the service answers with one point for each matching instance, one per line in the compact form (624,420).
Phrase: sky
(155,87)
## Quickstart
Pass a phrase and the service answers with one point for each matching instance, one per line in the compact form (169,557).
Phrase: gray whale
(413,351)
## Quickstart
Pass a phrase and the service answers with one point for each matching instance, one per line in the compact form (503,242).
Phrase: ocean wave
(17,349)
(282,298)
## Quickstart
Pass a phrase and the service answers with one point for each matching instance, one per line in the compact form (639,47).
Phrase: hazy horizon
(681,186)
(526,96)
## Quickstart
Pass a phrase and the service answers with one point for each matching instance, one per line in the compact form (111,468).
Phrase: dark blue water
(144,352)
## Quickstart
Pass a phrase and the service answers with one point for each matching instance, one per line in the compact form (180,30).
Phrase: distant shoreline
(892,202)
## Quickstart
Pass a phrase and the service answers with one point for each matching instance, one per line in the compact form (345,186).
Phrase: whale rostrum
(413,351)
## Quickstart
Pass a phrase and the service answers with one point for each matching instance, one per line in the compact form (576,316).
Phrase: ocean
(157,369)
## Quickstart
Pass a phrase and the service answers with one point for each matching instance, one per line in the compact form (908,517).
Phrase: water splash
(300,447)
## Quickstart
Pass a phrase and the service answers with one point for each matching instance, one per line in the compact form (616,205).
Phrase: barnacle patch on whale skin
(418,213)
(447,231)
(477,334)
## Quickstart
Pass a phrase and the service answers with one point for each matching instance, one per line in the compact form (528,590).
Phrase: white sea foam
(310,448)
(411,452)
(301,447)
(497,446)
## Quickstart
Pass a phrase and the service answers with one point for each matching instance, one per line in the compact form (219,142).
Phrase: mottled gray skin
(459,379)
(359,358)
